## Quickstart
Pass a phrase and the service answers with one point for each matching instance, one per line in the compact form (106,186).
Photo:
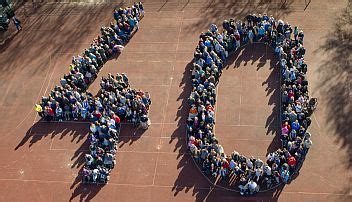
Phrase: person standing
(17,23)
(307,143)
(39,109)
(295,32)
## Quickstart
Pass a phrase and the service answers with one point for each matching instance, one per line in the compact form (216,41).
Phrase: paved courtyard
(40,161)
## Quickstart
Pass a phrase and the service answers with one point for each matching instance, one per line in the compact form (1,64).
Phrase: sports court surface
(40,161)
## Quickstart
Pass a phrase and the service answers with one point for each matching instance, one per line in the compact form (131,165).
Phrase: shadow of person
(243,55)
(43,129)
(128,134)
(6,43)
(189,177)
(86,192)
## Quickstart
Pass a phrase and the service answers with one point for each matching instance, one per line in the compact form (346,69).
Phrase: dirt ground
(40,161)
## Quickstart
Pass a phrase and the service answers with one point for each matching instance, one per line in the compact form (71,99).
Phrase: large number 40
(116,101)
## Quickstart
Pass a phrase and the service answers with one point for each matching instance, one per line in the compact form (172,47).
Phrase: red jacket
(226,164)
(116,118)
(291,161)
(50,111)
(98,115)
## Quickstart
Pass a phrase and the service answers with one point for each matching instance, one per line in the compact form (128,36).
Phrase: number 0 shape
(250,174)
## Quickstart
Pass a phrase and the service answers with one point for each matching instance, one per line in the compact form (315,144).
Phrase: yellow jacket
(38,108)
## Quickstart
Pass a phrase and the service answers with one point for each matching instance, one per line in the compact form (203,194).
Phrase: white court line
(316,193)
(52,73)
(316,120)
(51,144)
(110,183)
(239,113)
(39,93)
(168,97)
(169,186)
(211,189)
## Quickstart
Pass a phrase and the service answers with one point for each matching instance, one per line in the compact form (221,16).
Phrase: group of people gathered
(115,102)
(210,57)
(62,104)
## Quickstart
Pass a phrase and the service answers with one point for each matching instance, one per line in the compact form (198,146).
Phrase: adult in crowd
(209,59)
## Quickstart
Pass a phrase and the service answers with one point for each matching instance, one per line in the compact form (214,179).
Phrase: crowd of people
(210,57)
(65,102)
(115,102)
